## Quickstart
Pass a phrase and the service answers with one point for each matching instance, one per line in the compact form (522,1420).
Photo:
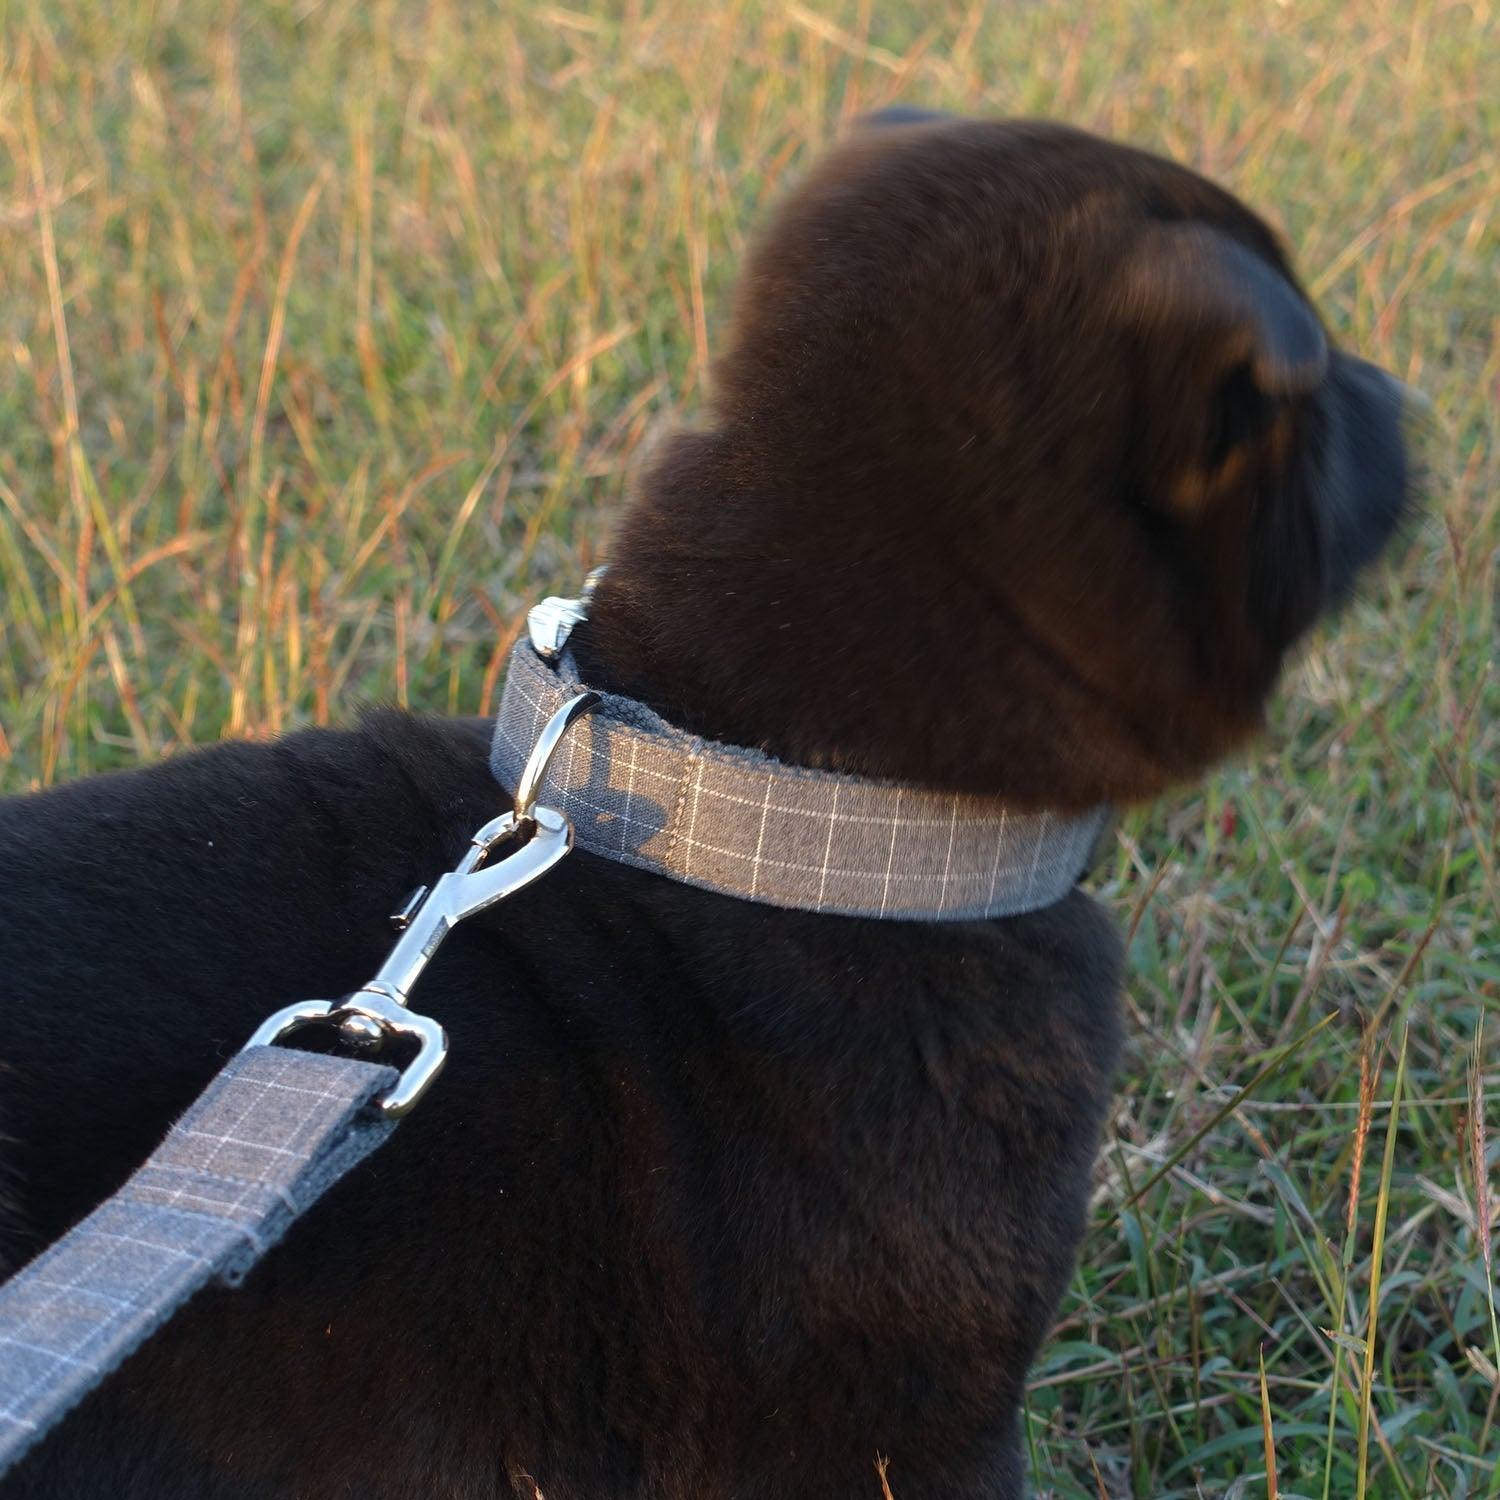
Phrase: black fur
(714,1199)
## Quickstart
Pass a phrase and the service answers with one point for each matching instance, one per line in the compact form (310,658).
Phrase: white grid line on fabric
(833,818)
(196,1191)
(718,794)
(1036,856)
(693,816)
(760,838)
(178,1249)
(221,1141)
(292,1088)
(77,1288)
(540,713)
(897,877)
(571,774)
(53,1354)
(202,1205)
(999,850)
(629,794)
(948,858)
(885,889)
(300,1130)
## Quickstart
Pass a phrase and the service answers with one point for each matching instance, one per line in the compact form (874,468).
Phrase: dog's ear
(1206,288)
(1226,341)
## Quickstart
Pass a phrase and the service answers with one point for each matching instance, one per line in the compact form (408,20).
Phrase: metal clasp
(551,622)
(378,1010)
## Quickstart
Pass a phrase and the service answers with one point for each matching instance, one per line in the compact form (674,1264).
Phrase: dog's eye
(1239,413)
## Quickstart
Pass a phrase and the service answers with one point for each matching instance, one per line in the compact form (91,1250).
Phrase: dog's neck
(887,661)
(778,704)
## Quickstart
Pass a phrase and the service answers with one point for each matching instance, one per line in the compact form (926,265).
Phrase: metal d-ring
(529,787)
(382,1015)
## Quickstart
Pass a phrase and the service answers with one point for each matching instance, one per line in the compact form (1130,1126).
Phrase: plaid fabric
(639,791)
(273,1130)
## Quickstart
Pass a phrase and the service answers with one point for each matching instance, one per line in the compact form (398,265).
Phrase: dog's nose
(1378,384)
(1412,396)
(1381,400)
(1415,415)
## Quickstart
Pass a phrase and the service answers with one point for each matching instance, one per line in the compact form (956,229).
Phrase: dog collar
(740,822)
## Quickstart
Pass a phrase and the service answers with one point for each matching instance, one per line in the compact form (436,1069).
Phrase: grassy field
(328,329)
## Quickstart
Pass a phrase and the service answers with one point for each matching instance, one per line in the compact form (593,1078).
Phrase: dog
(1028,462)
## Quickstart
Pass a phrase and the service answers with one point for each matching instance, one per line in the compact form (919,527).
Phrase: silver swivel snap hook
(530,840)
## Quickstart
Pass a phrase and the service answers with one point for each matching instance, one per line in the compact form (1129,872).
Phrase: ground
(329,330)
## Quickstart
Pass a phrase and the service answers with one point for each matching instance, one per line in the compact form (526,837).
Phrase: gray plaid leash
(642,792)
(274,1130)
(271,1134)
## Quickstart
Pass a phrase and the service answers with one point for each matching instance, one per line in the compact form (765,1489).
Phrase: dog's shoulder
(308,801)
(150,918)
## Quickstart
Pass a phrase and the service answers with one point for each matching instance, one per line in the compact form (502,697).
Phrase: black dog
(1028,463)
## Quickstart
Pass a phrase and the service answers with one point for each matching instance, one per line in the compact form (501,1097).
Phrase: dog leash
(274,1130)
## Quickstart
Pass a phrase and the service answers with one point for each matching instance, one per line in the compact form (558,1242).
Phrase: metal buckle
(551,622)
(378,1010)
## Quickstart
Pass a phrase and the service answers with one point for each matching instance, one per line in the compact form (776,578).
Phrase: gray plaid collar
(739,822)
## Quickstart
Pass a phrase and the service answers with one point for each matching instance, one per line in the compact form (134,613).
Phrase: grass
(328,331)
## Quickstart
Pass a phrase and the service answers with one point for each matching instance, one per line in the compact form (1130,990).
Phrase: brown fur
(958,515)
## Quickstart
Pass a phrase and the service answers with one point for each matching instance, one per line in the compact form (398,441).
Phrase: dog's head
(1028,461)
